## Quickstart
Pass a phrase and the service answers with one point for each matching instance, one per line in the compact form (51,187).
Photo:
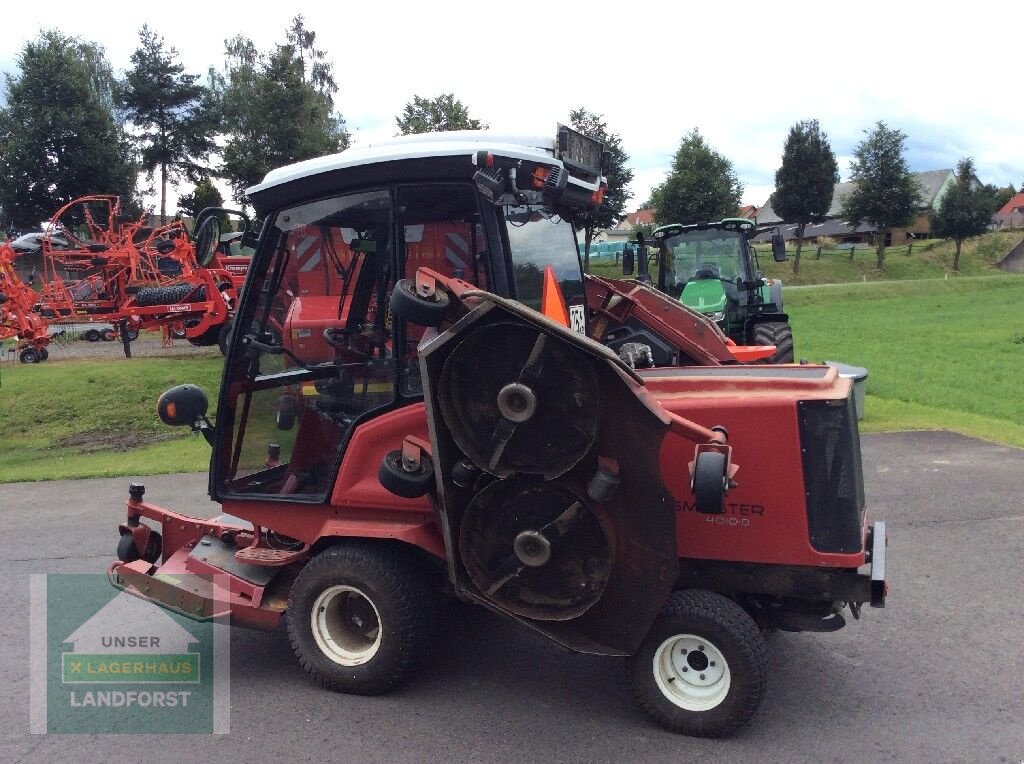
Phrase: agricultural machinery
(424,396)
(111,269)
(17,317)
(712,269)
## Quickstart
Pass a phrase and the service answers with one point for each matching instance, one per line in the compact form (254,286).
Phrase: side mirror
(182,405)
(628,261)
(778,247)
(207,238)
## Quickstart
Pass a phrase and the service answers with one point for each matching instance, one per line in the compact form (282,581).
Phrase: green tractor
(712,269)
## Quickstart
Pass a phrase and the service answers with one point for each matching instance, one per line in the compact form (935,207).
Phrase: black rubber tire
(29,355)
(708,482)
(92,335)
(108,335)
(178,334)
(407,305)
(224,336)
(207,338)
(408,485)
(780,335)
(133,334)
(398,588)
(732,631)
(44,354)
(166,295)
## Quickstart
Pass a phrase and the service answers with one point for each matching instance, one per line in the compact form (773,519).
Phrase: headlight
(719,316)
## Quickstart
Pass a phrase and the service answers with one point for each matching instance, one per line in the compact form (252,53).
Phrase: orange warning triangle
(552,302)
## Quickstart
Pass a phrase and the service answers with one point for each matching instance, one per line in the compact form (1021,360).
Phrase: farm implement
(18,318)
(115,270)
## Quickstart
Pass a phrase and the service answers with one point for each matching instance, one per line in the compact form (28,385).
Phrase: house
(748,211)
(1011,214)
(933,185)
(624,230)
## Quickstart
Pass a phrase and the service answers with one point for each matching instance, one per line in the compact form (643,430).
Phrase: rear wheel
(43,354)
(703,668)
(92,335)
(360,617)
(29,355)
(779,334)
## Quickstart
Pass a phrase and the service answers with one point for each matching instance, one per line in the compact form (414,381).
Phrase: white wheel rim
(342,626)
(691,672)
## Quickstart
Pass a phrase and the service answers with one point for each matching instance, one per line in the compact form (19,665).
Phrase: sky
(946,74)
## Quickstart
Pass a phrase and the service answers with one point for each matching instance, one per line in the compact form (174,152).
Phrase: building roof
(1016,202)
(931,183)
(637,217)
(748,211)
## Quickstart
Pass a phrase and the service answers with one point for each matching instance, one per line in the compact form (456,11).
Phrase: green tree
(612,208)
(59,138)
(204,195)
(436,115)
(964,210)
(805,181)
(277,107)
(171,112)
(884,194)
(701,185)
(999,196)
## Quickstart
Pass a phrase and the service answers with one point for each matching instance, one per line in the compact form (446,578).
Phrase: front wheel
(703,668)
(779,334)
(360,617)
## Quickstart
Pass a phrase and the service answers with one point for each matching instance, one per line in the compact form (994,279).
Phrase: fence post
(853,248)
(817,255)
(910,247)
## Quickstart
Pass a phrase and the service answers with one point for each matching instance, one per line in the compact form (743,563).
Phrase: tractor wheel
(401,482)
(703,668)
(43,354)
(132,334)
(29,355)
(108,335)
(178,334)
(224,336)
(778,334)
(92,335)
(360,617)
(408,305)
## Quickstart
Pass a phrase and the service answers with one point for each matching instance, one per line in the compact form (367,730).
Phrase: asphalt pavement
(936,676)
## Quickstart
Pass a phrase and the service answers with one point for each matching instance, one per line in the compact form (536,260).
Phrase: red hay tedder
(424,395)
(18,317)
(116,270)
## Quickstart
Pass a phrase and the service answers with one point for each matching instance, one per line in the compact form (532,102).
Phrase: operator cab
(316,350)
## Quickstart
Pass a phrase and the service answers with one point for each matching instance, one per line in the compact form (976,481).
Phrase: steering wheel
(707,272)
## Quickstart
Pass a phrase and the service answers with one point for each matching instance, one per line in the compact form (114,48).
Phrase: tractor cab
(317,349)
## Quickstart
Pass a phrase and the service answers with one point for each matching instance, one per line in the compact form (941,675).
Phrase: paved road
(937,676)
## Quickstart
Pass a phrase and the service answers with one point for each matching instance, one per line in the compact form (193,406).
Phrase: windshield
(540,238)
(712,253)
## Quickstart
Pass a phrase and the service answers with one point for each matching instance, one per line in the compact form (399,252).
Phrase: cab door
(315,355)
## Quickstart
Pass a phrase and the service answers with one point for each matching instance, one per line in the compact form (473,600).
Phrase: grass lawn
(70,419)
(929,259)
(940,354)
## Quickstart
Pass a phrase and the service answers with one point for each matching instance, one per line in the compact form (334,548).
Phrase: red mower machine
(115,270)
(424,394)
(17,316)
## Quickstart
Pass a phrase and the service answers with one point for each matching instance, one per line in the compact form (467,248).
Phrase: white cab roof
(454,143)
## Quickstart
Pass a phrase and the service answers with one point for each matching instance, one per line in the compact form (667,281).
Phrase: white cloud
(943,74)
